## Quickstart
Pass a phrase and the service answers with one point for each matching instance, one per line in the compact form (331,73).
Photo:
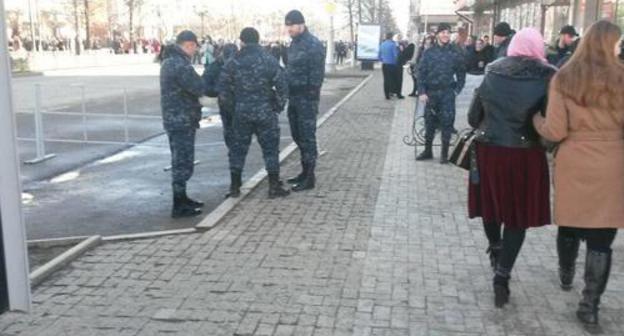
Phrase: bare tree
(350,12)
(77,26)
(87,21)
(133,5)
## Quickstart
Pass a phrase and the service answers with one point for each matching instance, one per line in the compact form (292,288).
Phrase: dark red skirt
(513,188)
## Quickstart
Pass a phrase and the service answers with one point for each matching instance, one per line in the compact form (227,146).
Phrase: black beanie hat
(442,27)
(249,35)
(186,36)
(503,29)
(294,17)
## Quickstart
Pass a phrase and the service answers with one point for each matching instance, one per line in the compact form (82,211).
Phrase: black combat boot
(494,251)
(567,249)
(427,154)
(309,179)
(298,178)
(276,188)
(597,269)
(190,202)
(501,290)
(181,208)
(444,152)
(235,184)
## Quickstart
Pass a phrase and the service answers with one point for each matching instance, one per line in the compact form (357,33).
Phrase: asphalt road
(128,191)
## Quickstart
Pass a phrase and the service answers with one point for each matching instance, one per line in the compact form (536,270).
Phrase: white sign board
(368,42)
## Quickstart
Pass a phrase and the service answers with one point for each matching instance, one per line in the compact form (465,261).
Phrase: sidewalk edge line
(228,205)
(41,273)
(146,235)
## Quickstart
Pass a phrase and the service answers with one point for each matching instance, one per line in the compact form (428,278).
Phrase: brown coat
(589,164)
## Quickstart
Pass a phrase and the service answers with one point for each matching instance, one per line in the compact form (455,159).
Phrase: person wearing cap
(181,90)
(568,41)
(253,86)
(305,71)
(441,77)
(502,36)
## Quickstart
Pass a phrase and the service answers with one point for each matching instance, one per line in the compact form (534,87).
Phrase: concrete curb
(224,208)
(53,242)
(41,273)
(147,235)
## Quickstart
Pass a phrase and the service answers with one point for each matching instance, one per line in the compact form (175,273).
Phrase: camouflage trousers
(226,121)
(266,128)
(302,113)
(182,145)
(440,114)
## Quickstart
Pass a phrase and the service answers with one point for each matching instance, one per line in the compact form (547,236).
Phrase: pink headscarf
(528,42)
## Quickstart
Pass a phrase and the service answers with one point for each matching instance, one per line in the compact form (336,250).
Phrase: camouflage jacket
(441,68)
(253,82)
(180,89)
(306,66)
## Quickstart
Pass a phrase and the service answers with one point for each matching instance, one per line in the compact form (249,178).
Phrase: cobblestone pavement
(381,247)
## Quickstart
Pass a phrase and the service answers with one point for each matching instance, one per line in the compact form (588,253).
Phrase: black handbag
(463,150)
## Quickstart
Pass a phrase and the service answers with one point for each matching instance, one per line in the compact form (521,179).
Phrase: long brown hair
(594,75)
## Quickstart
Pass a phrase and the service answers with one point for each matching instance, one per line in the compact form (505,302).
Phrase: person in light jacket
(585,117)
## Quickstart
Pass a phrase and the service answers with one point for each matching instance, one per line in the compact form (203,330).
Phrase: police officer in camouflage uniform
(306,71)
(441,77)
(211,81)
(253,85)
(180,89)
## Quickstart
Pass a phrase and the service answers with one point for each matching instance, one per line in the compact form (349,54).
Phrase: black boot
(567,249)
(501,290)
(444,152)
(235,184)
(309,179)
(597,269)
(427,154)
(494,252)
(276,188)
(190,202)
(182,209)
(297,179)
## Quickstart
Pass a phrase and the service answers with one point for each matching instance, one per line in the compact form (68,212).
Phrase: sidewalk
(382,246)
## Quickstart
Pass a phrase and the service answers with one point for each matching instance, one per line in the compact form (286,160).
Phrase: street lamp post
(330,66)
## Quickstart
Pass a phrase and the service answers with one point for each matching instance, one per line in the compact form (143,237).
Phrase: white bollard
(39,136)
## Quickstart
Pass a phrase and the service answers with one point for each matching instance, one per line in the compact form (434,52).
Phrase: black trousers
(399,79)
(390,79)
(597,239)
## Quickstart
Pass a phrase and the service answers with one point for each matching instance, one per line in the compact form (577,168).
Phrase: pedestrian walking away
(509,180)
(585,117)
(306,72)
(253,86)
(181,90)
(441,77)
(389,58)
(211,80)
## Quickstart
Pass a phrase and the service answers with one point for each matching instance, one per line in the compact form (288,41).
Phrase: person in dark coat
(253,85)
(405,56)
(211,81)
(567,44)
(441,77)
(306,72)
(480,58)
(502,36)
(427,43)
(181,88)
(509,180)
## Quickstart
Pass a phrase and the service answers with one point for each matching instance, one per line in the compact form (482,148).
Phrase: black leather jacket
(513,90)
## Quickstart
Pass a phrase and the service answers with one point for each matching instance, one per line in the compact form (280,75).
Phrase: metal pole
(83,106)
(39,132)
(13,230)
(125,107)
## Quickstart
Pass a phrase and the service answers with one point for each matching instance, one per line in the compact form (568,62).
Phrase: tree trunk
(350,8)
(87,24)
(131,22)
(77,27)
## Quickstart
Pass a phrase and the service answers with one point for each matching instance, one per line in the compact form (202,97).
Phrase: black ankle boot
(501,290)
(235,184)
(494,252)
(567,249)
(297,179)
(276,188)
(427,154)
(308,181)
(597,269)
(190,202)
(444,153)
(182,209)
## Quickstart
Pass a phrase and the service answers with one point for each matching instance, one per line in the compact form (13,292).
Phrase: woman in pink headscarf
(509,181)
